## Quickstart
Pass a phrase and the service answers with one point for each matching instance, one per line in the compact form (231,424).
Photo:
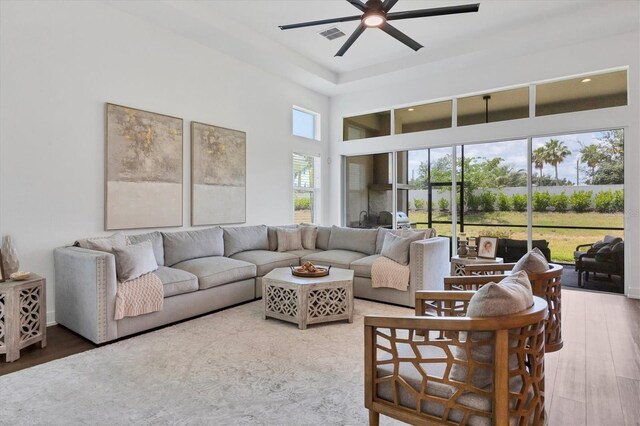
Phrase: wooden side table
(458,263)
(23,315)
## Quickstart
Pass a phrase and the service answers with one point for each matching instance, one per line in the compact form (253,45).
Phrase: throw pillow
(604,254)
(272,235)
(117,240)
(156,242)
(533,262)
(289,239)
(309,235)
(396,248)
(509,296)
(597,246)
(134,261)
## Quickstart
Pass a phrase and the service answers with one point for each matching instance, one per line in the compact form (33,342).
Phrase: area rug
(227,368)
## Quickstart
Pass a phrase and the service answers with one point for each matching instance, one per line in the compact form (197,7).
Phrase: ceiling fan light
(373,19)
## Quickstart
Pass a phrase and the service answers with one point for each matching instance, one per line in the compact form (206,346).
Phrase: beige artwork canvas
(143,169)
(218,175)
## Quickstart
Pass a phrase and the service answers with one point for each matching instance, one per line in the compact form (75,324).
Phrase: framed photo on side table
(487,247)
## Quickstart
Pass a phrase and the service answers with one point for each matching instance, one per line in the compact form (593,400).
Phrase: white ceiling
(248,30)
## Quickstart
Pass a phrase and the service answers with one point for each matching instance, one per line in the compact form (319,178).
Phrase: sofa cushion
(533,262)
(176,281)
(509,296)
(289,239)
(362,267)
(303,253)
(309,236)
(266,260)
(185,245)
(134,261)
(322,240)
(272,235)
(243,238)
(362,240)
(217,270)
(335,258)
(156,242)
(397,248)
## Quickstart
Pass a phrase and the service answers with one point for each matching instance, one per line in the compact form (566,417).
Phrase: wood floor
(593,380)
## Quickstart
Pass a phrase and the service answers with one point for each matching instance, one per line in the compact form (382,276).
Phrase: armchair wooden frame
(517,338)
(546,284)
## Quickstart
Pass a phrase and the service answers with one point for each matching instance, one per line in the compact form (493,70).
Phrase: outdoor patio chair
(594,247)
(546,285)
(409,360)
(607,260)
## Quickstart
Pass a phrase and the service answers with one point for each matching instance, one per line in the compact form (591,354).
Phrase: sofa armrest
(429,262)
(85,292)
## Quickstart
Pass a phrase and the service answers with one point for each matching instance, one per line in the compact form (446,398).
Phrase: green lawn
(562,242)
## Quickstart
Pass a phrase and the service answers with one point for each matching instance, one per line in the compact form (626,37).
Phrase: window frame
(314,190)
(316,122)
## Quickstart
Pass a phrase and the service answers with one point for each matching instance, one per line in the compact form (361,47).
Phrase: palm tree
(591,156)
(555,153)
(539,158)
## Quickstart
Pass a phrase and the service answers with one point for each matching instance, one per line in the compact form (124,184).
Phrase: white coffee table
(305,301)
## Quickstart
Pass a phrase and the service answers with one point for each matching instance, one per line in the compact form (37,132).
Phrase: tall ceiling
(248,30)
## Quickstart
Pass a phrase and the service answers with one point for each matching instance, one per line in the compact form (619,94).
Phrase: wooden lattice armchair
(409,361)
(545,284)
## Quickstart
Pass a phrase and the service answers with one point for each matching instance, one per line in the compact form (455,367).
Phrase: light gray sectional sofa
(208,269)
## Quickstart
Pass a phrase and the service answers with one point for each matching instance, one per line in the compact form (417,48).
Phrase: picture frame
(143,169)
(2,277)
(218,172)
(487,247)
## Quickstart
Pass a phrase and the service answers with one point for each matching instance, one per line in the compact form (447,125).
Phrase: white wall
(61,61)
(491,73)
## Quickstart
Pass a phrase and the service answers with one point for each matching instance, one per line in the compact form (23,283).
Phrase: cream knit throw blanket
(388,273)
(139,296)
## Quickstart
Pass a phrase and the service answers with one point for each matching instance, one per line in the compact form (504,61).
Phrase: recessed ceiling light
(410,109)
(586,80)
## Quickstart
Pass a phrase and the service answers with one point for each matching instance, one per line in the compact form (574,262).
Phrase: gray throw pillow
(134,261)
(244,238)
(272,235)
(309,236)
(509,296)
(533,262)
(360,240)
(289,239)
(156,242)
(604,254)
(186,245)
(382,232)
(397,248)
(107,244)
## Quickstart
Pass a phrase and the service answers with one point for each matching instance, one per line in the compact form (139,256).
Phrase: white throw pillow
(309,235)
(533,262)
(134,261)
(117,240)
(289,239)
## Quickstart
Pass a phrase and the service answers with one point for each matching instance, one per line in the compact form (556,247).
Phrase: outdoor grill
(386,218)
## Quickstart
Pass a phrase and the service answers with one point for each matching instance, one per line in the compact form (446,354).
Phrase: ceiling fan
(375,14)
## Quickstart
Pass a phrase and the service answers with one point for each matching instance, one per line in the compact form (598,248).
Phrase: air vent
(332,33)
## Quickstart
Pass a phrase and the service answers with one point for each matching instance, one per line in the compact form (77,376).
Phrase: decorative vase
(9,256)
(462,250)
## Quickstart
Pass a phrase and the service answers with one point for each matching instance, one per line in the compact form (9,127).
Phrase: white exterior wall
(492,73)
(61,61)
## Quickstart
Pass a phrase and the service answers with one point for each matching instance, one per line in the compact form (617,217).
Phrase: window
(306,186)
(305,123)
(366,126)
(582,93)
(418,118)
(495,106)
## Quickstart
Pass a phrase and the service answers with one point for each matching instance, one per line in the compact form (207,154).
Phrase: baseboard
(634,293)
(51,318)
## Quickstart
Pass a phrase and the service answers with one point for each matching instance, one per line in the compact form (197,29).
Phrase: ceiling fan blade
(438,11)
(347,44)
(388,4)
(321,22)
(400,36)
(358,4)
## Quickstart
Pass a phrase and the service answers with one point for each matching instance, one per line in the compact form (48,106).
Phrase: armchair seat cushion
(176,281)
(217,270)
(362,267)
(591,264)
(265,260)
(335,258)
